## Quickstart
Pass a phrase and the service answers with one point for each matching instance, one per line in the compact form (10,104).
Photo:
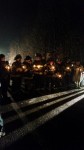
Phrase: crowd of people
(37,73)
(40,72)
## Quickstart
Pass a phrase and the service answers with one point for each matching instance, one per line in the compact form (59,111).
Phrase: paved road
(51,122)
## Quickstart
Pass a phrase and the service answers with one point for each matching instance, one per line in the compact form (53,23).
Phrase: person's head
(78,62)
(38,57)
(18,57)
(28,59)
(2,57)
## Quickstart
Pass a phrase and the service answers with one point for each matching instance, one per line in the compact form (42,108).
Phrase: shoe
(2,134)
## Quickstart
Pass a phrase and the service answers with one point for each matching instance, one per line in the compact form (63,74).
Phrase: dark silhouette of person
(16,74)
(4,77)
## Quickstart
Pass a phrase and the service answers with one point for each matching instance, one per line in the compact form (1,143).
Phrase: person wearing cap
(28,62)
(16,74)
(27,72)
(38,69)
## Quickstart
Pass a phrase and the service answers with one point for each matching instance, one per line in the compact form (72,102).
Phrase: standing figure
(4,77)
(77,74)
(38,69)
(16,74)
(50,69)
(27,73)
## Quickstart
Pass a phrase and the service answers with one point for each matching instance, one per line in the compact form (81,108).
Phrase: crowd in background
(36,74)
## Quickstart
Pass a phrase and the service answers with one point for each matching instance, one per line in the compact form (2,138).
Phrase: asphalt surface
(45,123)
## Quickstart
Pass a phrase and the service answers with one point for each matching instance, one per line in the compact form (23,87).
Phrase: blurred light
(8,67)
(24,67)
(58,75)
(68,68)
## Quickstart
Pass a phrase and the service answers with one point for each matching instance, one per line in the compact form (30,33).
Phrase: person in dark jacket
(27,73)
(4,77)
(38,69)
(16,74)
(27,64)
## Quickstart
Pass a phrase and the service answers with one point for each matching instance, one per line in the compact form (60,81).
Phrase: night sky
(47,16)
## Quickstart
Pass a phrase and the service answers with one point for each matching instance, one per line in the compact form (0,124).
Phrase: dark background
(50,20)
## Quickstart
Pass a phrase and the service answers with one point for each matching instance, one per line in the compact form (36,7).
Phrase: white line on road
(24,114)
(38,99)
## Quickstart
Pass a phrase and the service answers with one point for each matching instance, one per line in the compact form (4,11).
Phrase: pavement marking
(28,112)
(50,96)
(8,107)
(17,109)
(31,126)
